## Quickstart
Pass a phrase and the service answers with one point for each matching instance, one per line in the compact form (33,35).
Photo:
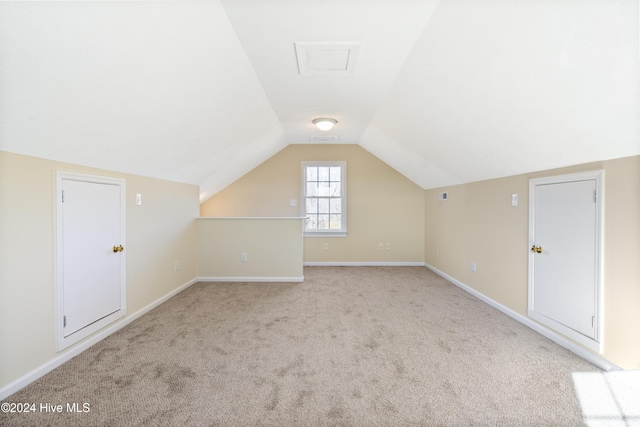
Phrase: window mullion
(325,208)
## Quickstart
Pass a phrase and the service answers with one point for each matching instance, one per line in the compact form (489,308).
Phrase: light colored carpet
(357,346)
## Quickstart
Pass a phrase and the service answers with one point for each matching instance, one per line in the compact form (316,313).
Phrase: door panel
(91,228)
(565,223)
(564,272)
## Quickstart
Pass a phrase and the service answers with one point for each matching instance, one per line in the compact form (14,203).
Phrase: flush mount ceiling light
(324,123)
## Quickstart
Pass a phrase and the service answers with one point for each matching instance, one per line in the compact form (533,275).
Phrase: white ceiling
(445,91)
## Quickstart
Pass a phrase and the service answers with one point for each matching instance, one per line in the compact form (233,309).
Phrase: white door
(90,255)
(564,255)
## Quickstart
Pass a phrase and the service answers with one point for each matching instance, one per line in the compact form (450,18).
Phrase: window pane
(334,173)
(323,189)
(312,222)
(323,173)
(334,189)
(335,222)
(312,173)
(323,197)
(335,206)
(312,189)
(323,206)
(312,205)
(323,222)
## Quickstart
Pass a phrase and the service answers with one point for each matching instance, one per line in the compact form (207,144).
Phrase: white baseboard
(558,339)
(67,355)
(251,279)
(363,264)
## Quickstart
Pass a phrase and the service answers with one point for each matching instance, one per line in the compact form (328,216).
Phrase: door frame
(63,342)
(595,344)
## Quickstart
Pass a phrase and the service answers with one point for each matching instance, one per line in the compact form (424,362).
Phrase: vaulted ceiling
(445,91)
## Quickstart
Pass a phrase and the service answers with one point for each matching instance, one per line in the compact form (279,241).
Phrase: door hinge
(62,196)
(64,321)
(593,322)
(595,197)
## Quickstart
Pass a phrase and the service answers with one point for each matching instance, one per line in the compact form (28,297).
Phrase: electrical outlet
(381,246)
(325,246)
(243,257)
(176,265)
(388,246)
(472,267)
(514,200)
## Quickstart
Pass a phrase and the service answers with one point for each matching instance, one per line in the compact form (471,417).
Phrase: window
(324,196)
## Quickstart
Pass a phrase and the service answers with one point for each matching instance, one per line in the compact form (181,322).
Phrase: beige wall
(273,248)
(479,224)
(159,232)
(382,205)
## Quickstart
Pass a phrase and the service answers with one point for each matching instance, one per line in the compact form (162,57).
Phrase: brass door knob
(118,248)
(536,249)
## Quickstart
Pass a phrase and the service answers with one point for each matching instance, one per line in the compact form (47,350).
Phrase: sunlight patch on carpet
(609,398)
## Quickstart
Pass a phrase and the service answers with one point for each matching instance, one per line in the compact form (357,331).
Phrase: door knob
(536,249)
(118,248)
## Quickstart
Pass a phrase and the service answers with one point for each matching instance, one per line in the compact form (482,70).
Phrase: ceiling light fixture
(324,123)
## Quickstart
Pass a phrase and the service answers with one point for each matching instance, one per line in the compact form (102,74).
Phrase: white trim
(251,217)
(595,344)
(251,279)
(343,198)
(61,358)
(323,234)
(363,264)
(558,339)
(63,342)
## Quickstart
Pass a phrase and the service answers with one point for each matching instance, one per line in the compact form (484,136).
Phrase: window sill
(325,234)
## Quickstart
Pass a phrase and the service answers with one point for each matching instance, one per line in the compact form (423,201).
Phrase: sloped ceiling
(446,92)
(160,89)
(498,88)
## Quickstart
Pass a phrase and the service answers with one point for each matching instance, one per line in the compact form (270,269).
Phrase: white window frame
(342,232)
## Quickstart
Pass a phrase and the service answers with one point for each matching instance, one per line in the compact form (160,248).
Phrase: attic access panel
(323,59)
